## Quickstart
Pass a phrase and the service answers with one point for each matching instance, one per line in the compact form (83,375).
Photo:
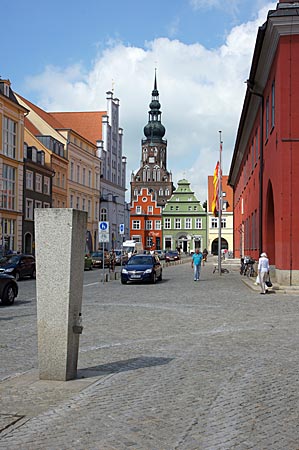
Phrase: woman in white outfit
(263,270)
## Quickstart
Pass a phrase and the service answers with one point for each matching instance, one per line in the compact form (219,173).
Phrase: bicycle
(223,270)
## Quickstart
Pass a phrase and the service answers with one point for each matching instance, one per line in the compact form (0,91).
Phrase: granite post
(59,251)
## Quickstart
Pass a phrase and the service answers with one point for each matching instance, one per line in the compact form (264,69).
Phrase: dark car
(172,255)
(121,257)
(19,266)
(97,258)
(142,268)
(8,289)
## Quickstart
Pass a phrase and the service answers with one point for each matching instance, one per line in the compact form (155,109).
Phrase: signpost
(104,238)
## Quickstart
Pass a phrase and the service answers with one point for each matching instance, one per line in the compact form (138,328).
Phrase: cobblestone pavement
(180,365)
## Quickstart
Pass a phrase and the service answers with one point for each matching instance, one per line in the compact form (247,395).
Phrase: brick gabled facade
(146,221)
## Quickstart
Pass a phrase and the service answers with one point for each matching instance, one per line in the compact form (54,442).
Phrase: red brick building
(265,167)
(146,221)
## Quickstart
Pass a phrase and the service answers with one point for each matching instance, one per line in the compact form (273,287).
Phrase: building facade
(11,168)
(145,221)
(152,173)
(37,192)
(102,129)
(227,218)
(265,165)
(184,221)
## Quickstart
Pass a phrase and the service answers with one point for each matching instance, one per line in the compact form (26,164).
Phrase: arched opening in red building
(269,229)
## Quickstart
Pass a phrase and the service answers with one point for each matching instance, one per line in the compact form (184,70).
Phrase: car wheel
(154,278)
(17,276)
(33,275)
(8,295)
(160,277)
(123,281)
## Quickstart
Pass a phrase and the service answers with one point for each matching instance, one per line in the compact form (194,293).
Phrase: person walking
(196,263)
(263,271)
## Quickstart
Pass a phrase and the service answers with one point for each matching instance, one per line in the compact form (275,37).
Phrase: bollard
(60,245)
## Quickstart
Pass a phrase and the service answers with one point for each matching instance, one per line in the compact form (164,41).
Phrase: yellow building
(11,168)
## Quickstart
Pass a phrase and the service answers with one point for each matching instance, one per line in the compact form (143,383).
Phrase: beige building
(227,218)
(11,168)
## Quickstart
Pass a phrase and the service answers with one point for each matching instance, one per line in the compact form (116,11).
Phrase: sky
(65,55)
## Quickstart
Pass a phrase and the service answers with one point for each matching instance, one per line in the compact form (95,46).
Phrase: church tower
(153,173)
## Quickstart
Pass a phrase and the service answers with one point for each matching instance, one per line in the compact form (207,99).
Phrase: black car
(172,255)
(19,266)
(142,268)
(8,289)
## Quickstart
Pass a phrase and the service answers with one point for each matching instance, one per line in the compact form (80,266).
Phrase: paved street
(180,365)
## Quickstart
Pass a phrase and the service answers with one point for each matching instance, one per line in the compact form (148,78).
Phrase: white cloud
(201,92)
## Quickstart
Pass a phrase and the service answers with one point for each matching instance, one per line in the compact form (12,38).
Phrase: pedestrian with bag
(263,271)
(196,263)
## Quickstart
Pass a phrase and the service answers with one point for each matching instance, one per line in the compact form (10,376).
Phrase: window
(71,201)
(38,182)
(198,223)
(177,224)
(38,204)
(148,224)
(150,210)
(223,222)
(214,222)
(9,137)
(47,205)
(84,204)
(89,209)
(103,215)
(29,209)
(29,180)
(138,209)
(47,185)
(136,225)
(84,176)
(78,174)
(167,223)
(177,208)
(63,180)
(9,187)
(158,224)
(188,223)
(89,178)
(78,203)
(267,118)
(72,171)
(273,104)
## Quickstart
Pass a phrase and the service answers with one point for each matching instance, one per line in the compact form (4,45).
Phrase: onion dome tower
(153,173)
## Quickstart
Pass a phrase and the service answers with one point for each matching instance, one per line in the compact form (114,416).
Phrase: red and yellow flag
(215,201)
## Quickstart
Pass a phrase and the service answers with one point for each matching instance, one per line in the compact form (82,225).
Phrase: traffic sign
(103,237)
(121,228)
(103,227)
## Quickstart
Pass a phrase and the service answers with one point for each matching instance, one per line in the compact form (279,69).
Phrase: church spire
(154,130)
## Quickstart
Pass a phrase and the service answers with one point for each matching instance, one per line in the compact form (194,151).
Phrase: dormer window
(6,90)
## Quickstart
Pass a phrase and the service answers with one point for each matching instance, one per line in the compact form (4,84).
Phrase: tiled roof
(52,121)
(30,127)
(88,124)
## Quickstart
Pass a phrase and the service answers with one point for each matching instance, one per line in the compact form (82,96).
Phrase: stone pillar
(60,244)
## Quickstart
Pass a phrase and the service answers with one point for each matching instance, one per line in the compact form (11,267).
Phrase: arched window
(103,215)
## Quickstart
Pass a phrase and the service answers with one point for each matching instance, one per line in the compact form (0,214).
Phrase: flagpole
(219,203)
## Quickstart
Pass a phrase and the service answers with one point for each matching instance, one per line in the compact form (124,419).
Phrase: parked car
(97,258)
(19,266)
(121,257)
(8,289)
(87,262)
(142,268)
(172,255)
